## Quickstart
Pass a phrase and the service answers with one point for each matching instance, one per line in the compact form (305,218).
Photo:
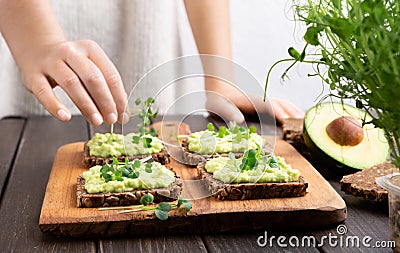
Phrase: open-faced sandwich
(102,148)
(253,176)
(119,184)
(202,145)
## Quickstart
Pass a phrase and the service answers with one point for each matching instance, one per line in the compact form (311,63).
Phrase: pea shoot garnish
(117,170)
(356,52)
(254,157)
(146,113)
(161,210)
(236,131)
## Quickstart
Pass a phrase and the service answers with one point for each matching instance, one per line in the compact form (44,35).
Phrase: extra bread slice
(194,159)
(362,184)
(90,161)
(292,129)
(85,199)
(242,191)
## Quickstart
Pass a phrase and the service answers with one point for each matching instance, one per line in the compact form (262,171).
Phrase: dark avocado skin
(323,159)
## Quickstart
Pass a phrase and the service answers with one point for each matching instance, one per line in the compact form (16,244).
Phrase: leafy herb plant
(357,52)
(161,210)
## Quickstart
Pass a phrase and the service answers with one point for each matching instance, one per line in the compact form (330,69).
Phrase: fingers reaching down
(219,105)
(112,78)
(95,85)
(71,84)
(84,72)
(45,94)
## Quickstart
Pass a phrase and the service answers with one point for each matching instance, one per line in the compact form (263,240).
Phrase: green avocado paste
(158,177)
(114,145)
(266,169)
(210,142)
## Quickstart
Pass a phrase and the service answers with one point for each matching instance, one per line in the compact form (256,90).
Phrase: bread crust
(362,184)
(292,129)
(162,157)
(85,199)
(194,159)
(242,191)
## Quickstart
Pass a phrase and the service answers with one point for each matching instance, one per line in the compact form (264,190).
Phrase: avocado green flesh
(160,177)
(114,145)
(228,171)
(373,149)
(207,142)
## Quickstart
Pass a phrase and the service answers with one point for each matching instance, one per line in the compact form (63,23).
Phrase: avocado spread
(210,142)
(267,169)
(114,145)
(159,177)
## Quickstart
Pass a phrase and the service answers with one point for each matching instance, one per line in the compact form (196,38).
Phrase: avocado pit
(345,131)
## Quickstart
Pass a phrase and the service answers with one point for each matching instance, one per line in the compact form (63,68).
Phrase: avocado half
(370,149)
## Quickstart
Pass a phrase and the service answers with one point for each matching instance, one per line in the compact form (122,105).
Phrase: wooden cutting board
(321,206)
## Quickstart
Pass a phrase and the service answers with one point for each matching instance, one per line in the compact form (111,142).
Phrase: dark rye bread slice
(193,159)
(292,129)
(88,160)
(242,191)
(85,199)
(362,184)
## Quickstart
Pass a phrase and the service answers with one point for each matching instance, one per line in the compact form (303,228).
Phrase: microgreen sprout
(222,131)
(249,160)
(117,170)
(147,199)
(145,114)
(148,167)
(210,126)
(237,131)
(273,161)
(161,210)
(147,142)
(252,158)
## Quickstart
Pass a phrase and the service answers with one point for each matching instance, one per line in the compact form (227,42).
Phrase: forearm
(210,23)
(27,25)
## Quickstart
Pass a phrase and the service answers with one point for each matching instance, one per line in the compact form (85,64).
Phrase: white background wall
(262,31)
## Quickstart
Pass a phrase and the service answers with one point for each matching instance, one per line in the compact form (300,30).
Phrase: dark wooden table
(27,151)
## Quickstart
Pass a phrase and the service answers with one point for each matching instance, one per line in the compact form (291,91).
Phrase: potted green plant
(354,46)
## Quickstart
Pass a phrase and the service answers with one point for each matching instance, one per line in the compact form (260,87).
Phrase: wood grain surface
(20,205)
(320,207)
(11,130)
(24,140)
